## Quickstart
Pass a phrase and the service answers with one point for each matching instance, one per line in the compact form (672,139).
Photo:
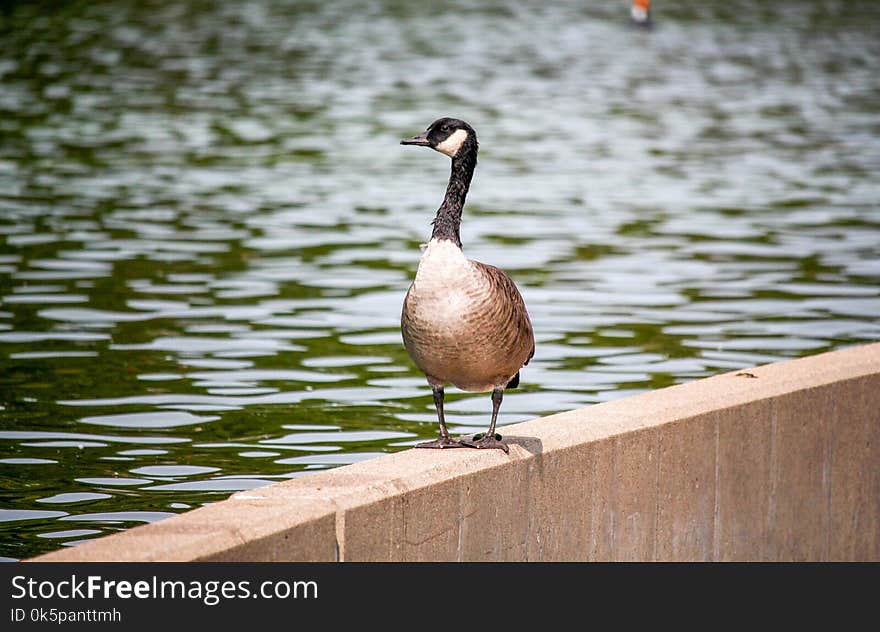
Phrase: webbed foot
(485,441)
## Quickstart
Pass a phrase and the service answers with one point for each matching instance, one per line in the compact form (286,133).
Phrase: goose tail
(514,382)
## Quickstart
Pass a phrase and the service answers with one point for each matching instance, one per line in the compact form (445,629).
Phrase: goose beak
(421,139)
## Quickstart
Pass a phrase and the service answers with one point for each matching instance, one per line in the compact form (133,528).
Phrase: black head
(447,135)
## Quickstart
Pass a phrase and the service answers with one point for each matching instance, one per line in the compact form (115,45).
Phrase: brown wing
(511,310)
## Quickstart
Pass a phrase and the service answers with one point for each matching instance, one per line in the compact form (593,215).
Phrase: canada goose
(463,322)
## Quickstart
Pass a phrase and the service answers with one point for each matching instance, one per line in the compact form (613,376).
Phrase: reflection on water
(208,226)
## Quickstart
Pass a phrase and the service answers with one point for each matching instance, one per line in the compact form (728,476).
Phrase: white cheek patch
(451,145)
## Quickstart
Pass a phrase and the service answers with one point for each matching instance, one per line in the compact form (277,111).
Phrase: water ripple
(205,248)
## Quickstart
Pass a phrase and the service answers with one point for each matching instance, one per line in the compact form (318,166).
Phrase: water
(208,225)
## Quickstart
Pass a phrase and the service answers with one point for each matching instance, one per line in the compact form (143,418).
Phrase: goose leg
(490,439)
(444,441)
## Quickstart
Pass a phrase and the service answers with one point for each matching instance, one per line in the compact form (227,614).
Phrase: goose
(463,322)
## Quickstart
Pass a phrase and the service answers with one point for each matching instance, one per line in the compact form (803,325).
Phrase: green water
(207,225)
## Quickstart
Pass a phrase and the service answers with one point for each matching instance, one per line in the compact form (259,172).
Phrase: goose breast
(464,322)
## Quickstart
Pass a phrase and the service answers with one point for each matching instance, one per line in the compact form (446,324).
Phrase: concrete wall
(781,462)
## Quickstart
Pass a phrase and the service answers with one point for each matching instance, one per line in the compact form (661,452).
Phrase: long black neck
(448,218)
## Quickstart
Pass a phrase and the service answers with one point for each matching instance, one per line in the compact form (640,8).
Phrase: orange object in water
(639,11)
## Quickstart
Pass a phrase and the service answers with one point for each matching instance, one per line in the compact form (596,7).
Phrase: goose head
(449,136)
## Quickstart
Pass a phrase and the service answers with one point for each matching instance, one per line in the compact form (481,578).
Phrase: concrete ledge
(779,462)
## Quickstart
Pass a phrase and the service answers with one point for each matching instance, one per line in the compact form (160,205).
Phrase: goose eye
(444,128)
